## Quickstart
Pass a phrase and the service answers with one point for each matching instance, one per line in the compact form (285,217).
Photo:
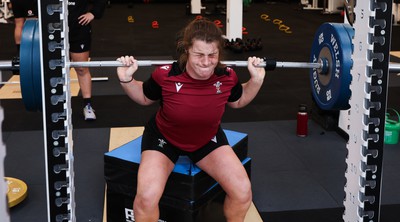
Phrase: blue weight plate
(333,42)
(36,67)
(25,67)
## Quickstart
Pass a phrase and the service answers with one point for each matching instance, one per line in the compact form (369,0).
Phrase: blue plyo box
(188,187)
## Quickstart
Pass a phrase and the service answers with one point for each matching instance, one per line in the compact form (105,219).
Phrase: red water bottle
(302,121)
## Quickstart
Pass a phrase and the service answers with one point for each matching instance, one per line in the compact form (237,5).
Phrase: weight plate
(332,43)
(17,190)
(36,67)
(30,72)
(26,67)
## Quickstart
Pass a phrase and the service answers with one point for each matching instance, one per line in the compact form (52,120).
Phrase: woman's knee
(81,70)
(242,193)
(147,200)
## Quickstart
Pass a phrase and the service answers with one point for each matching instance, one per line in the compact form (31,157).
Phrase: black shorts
(80,40)
(80,46)
(152,139)
(24,8)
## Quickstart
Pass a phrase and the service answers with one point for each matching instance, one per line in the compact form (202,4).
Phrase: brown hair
(199,29)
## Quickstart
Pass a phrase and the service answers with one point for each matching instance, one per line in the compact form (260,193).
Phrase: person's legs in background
(85,83)
(22,10)
(19,24)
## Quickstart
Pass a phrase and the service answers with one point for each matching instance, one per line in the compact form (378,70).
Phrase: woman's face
(202,59)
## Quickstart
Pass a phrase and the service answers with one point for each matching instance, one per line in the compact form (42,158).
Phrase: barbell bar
(8,65)
(330,65)
(269,65)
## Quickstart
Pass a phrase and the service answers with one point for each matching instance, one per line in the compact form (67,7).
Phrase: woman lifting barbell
(193,93)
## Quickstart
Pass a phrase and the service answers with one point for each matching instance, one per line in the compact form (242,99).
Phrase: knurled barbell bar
(269,64)
(330,64)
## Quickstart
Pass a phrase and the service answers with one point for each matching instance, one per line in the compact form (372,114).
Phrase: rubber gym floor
(294,179)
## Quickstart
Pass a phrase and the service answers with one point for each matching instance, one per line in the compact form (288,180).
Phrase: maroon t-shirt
(191,110)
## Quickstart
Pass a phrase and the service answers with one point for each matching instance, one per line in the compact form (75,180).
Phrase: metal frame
(5,11)
(57,121)
(366,117)
(234,16)
(4,215)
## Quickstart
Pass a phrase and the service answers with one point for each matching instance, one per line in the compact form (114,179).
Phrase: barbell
(330,65)
(269,65)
